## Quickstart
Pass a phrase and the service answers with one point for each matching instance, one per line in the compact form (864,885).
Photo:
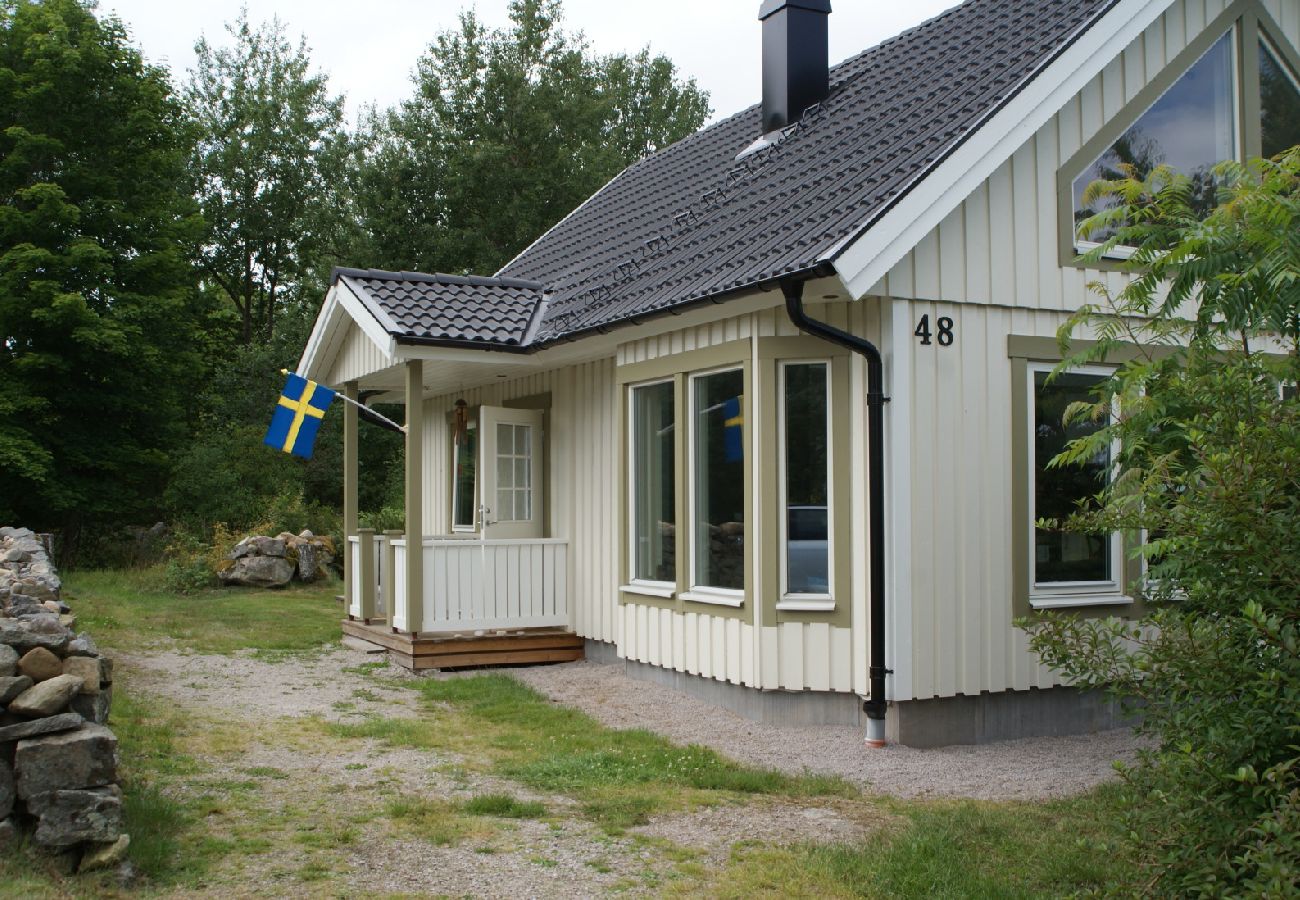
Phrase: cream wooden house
(623,435)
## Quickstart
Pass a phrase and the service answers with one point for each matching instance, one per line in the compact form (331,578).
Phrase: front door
(510,442)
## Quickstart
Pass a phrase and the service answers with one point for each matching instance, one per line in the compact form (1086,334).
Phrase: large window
(653,484)
(1279,103)
(1066,563)
(718,481)
(805,478)
(465,453)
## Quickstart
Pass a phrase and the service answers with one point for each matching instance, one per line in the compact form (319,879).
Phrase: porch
(481,602)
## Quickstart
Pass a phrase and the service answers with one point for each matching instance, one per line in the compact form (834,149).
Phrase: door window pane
(805,396)
(1190,128)
(718,462)
(1066,556)
(1279,104)
(462,505)
(514,473)
(654,521)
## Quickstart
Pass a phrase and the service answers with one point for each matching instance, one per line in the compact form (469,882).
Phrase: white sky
(369,49)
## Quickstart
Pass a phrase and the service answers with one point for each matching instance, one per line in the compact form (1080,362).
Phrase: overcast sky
(369,49)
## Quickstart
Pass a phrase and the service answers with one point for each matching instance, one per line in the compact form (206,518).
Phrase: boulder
(260,571)
(88,668)
(38,727)
(8,834)
(267,546)
(68,817)
(11,686)
(105,855)
(7,795)
(72,760)
(8,660)
(15,555)
(308,562)
(84,645)
(94,707)
(46,698)
(40,664)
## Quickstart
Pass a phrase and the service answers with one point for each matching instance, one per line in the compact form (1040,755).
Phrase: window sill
(1062,601)
(805,603)
(715,596)
(664,590)
(1118,253)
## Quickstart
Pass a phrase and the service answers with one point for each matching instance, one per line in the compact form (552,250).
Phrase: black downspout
(875,706)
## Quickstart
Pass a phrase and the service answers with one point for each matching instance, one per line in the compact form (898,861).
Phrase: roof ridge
(436,278)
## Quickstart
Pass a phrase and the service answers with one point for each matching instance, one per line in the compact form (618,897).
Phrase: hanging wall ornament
(460,424)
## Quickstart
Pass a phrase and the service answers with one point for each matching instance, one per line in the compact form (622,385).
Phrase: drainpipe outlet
(875,733)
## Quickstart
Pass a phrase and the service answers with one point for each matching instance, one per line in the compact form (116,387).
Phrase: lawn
(508,775)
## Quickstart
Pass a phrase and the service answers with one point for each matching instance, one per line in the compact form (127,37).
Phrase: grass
(133,609)
(503,806)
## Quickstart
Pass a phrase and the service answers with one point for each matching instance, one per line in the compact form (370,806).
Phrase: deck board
(454,650)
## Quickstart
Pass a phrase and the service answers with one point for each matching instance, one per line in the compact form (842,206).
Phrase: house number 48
(945,335)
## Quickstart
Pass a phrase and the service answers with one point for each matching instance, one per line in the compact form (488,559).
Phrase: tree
(98,344)
(269,162)
(1209,469)
(509,130)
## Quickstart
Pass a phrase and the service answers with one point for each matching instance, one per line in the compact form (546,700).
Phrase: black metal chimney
(795,59)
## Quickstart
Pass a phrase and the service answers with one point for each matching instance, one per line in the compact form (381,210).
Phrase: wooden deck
(458,650)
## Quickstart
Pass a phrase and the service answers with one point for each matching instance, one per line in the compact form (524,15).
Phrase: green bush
(1209,469)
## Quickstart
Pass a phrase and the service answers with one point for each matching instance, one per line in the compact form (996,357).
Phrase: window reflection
(1279,104)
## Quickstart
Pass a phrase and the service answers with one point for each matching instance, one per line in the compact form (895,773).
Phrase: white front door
(510,442)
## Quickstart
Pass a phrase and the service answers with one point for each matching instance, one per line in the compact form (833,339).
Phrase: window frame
(634,585)
(701,593)
(1057,594)
(475,502)
(788,601)
(1249,22)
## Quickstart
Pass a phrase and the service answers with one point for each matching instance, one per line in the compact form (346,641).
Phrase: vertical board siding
(359,356)
(1000,245)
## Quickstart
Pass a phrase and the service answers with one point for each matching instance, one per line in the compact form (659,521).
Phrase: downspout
(876,704)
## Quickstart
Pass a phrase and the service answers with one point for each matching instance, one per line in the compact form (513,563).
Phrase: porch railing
(479,585)
(367,565)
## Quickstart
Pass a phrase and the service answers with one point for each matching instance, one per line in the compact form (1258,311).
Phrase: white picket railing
(378,548)
(473,585)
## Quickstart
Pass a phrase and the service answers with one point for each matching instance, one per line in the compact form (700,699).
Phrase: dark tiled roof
(692,222)
(413,306)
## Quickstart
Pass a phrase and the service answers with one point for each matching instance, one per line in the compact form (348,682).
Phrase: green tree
(98,341)
(270,162)
(509,130)
(1209,469)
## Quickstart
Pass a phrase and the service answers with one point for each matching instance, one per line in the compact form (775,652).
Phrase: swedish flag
(298,417)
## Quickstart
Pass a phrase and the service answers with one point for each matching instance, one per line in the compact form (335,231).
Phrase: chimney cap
(771,7)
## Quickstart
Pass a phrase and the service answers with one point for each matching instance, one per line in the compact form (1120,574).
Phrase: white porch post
(350,453)
(414,599)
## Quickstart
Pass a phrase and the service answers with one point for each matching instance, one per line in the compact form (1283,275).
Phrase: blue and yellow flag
(297,418)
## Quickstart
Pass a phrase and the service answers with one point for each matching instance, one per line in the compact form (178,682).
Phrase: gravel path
(1032,769)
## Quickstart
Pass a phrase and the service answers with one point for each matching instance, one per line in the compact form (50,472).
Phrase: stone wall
(58,760)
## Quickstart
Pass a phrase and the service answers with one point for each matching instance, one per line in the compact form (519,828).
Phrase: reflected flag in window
(734,421)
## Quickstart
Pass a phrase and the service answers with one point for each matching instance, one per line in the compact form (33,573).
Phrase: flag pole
(366,409)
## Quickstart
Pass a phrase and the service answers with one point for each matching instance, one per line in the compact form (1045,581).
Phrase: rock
(52,607)
(89,669)
(20,635)
(46,698)
(84,645)
(8,661)
(8,834)
(308,562)
(40,590)
(270,546)
(40,664)
(38,727)
(73,760)
(7,795)
(94,707)
(67,817)
(243,548)
(106,855)
(14,555)
(46,622)
(306,534)
(260,571)
(68,621)
(12,686)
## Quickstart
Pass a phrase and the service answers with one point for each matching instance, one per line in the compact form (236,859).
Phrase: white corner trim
(863,259)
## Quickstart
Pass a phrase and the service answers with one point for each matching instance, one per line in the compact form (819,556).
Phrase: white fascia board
(863,259)
(322,335)
(367,316)
(483,357)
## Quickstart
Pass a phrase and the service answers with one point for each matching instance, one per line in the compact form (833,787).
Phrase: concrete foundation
(939,722)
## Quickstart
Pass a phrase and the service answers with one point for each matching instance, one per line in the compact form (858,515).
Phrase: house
(765,417)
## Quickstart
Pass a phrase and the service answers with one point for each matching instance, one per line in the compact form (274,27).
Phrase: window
(514,473)
(718,481)
(1068,568)
(1279,100)
(805,472)
(465,463)
(653,484)
(1191,128)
